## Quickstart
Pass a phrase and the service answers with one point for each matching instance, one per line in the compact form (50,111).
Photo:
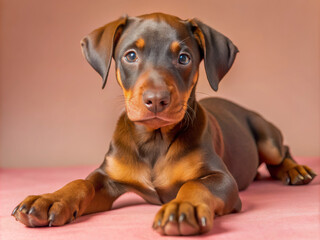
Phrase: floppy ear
(218,51)
(98,46)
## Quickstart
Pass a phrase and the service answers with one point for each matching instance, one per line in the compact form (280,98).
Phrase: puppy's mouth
(154,122)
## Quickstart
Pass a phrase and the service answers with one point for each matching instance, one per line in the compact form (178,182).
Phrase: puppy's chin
(154,123)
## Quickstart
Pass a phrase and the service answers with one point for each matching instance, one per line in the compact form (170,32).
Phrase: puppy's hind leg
(277,156)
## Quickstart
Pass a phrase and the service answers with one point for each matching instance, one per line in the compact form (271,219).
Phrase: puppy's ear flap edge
(218,51)
(98,46)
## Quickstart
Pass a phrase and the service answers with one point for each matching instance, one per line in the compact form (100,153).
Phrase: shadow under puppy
(192,157)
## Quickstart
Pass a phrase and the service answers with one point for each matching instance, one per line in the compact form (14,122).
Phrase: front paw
(183,218)
(45,210)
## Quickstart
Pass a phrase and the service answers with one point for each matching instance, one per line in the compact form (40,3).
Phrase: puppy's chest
(155,175)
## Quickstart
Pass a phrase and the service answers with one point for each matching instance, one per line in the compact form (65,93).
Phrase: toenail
(22,207)
(14,210)
(288,181)
(182,217)
(32,210)
(51,219)
(203,222)
(171,217)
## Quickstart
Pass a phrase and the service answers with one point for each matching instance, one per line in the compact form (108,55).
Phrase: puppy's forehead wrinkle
(154,33)
(157,33)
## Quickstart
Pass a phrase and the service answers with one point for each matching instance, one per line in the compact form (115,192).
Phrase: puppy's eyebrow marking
(175,47)
(140,43)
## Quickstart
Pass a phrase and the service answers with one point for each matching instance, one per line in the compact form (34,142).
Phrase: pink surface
(270,210)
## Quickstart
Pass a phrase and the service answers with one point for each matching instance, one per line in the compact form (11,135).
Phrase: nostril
(148,102)
(164,103)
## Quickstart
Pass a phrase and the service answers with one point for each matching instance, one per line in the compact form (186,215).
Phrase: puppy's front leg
(95,193)
(197,202)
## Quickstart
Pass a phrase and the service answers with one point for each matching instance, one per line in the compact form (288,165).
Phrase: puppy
(192,157)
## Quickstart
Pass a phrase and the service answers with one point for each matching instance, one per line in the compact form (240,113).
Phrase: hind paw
(298,175)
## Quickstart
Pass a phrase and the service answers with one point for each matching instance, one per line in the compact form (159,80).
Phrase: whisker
(189,116)
(183,40)
(203,93)
(189,119)
(120,102)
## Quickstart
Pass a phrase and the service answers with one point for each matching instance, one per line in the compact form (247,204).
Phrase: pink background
(54,113)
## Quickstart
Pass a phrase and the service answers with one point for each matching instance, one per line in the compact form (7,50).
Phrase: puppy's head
(157,59)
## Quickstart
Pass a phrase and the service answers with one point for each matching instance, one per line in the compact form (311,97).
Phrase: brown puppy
(192,157)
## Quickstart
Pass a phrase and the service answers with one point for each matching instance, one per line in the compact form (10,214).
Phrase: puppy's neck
(150,145)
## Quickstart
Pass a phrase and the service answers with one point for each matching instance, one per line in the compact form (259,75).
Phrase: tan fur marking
(269,152)
(135,173)
(288,164)
(187,94)
(197,194)
(195,78)
(119,79)
(187,168)
(140,43)
(175,47)
(127,93)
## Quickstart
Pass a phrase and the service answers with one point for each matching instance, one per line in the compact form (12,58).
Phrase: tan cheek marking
(135,108)
(186,95)
(136,174)
(195,78)
(175,47)
(127,93)
(194,81)
(119,79)
(187,168)
(140,43)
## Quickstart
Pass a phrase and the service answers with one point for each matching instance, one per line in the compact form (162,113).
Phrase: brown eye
(131,57)
(184,59)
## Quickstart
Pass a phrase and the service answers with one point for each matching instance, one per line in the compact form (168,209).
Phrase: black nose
(156,101)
